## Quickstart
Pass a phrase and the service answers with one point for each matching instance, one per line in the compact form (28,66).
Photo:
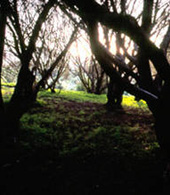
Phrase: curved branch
(91,10)
(107,66)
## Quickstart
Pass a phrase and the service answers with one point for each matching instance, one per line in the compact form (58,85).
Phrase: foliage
(130,101)
(7,90)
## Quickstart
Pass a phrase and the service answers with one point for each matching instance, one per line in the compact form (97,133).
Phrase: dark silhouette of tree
(126,49)
(26,29)
(140,81)
(24,93)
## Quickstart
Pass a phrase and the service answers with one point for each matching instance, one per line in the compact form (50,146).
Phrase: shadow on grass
(78,148)
(43,172)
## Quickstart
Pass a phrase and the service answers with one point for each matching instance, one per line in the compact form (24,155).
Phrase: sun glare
(81,47)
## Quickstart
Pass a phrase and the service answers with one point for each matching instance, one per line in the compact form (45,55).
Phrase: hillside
(70,144)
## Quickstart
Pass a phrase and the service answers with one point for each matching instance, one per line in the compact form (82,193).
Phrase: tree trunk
(52,88)
(24,90)
(162,120)
(163,131)
(23,98)
(114,96)
(99,84)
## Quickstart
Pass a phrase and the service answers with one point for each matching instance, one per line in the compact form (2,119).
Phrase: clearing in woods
(70,144)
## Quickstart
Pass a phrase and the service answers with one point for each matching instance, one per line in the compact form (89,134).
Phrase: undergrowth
(70,144)
(74,121)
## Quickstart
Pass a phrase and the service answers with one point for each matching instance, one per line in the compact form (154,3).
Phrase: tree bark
(23,98)
(99,83)
(114,95)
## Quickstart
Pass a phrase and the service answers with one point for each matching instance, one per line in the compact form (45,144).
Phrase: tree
(25,46)
(90,74)
(26,29)
(115,90)
(124,49)
(51,41)
(144,85)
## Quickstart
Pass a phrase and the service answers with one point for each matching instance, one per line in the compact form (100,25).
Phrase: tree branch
(55,63)
(166,41)
(91,10)
(37,27)
(108,68)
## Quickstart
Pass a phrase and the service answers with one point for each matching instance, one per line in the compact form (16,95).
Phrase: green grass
(7,91)
(72,126)
(78,96)
(70,144)
(81,96)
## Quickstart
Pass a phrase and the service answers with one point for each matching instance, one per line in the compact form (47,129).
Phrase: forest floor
(69,144)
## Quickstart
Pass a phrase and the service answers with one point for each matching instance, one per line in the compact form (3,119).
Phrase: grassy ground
(69,144)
